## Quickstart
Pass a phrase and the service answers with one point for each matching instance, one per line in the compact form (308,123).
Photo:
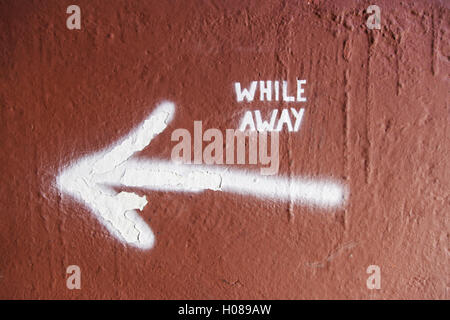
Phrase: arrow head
(116,211)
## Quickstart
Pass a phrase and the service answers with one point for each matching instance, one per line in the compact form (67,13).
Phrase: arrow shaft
(168,176)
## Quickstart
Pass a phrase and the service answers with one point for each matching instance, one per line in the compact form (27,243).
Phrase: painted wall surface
(363,176)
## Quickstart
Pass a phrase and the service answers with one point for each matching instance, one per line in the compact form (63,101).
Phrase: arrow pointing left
(93,178)
(117,211)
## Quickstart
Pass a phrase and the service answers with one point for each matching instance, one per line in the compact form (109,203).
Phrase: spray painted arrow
(92,179)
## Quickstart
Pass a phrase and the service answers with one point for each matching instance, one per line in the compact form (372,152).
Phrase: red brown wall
(377,119)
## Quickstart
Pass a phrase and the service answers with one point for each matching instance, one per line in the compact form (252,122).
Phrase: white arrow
(92,179)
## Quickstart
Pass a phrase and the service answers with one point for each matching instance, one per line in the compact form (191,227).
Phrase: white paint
(116,210)
(248,122)
(92,179)
(264,125)
(298,118)
(245,94)
(277,90)
(166,176)
(285,93)
(300,91)
(265,91)
(284,119)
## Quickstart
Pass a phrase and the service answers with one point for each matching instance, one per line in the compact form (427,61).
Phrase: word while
(267,90)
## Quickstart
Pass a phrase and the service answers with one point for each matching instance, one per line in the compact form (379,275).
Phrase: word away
(285,119)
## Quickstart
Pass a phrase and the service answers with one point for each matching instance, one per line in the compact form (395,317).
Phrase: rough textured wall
(376,120)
